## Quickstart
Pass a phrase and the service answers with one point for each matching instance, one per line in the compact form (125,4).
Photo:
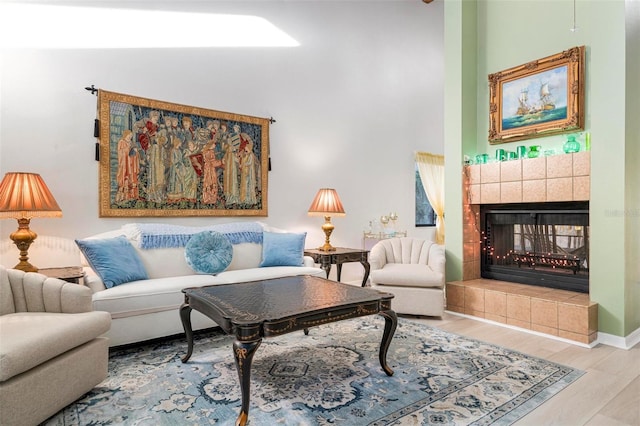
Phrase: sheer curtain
(431,169)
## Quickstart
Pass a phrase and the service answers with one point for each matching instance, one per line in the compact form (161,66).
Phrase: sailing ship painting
(546,101)
(535,99)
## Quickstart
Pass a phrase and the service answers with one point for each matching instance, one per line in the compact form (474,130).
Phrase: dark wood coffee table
(258,309)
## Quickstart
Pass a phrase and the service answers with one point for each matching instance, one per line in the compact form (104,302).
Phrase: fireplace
(541,244)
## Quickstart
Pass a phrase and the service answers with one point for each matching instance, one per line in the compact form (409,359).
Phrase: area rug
(332,376)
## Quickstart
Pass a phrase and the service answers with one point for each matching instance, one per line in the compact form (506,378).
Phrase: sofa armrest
(44,294)
(308,261)
(93,280)
(377,257)
(75,298)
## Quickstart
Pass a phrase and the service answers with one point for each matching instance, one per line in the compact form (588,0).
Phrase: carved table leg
(367,268)
(243,352)
(390,324)
(326,266)
(185,316)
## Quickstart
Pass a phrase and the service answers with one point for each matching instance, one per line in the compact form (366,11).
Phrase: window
(425,216)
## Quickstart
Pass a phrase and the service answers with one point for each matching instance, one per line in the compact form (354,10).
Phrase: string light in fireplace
(550,260)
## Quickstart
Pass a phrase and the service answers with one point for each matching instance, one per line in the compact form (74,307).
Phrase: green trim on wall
(460,119)
(453,53)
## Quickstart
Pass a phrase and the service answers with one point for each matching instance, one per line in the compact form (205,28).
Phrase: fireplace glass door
(541,247)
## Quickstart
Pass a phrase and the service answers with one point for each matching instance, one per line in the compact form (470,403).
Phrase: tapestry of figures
(165,160)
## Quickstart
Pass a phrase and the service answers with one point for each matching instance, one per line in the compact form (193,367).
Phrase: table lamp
(23,196)
(327,204)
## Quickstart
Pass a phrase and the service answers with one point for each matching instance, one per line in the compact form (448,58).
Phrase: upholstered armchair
(413,270)
(51,352)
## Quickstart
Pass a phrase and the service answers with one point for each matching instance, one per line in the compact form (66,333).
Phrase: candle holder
(393,216)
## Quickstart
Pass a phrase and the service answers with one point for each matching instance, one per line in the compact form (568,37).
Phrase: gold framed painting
(539,98)
(164,159)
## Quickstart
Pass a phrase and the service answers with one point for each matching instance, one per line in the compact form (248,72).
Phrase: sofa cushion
(208,252)
(282,249)
(170,262)
(147,296)
(256,274)
(113,259)
(32,338)
(245,256)
(407,275)
(163,294)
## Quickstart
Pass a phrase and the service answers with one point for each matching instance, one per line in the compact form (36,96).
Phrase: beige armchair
(413,270)
(51,352)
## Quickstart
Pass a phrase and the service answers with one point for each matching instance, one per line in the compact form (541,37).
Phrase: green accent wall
(632,157)
(497,41)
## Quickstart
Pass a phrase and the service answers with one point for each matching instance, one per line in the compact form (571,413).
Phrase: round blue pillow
(208,252)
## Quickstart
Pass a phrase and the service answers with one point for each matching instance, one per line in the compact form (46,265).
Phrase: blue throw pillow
(208,252)
(114,260)
(282,249)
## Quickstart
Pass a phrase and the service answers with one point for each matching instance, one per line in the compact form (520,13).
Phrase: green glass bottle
(534,151)
(571,145)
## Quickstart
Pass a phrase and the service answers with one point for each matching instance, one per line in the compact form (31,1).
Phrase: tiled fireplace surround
(555,312)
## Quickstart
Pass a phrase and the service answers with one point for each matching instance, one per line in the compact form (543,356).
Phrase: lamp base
(23,238)
(26,267)
(327,227)
(327,247)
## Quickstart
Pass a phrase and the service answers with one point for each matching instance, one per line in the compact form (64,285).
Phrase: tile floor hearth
(561,313)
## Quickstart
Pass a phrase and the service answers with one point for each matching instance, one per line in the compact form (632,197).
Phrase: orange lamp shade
(326,203)
(25,195)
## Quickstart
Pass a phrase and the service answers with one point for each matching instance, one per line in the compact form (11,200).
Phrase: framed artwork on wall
(539,98)
(164,159)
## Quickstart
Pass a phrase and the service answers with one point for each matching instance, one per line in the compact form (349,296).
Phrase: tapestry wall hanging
(164,159)
(539,98)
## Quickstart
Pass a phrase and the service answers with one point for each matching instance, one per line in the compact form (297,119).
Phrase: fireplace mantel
(563,177)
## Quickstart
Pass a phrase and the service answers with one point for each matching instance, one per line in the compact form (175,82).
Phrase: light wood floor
(607,394)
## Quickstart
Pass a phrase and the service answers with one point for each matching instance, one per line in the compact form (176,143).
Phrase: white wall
(361,93)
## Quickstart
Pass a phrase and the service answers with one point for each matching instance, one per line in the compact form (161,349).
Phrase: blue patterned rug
(332,376)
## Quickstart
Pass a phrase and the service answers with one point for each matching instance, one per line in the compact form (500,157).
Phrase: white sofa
(148,309)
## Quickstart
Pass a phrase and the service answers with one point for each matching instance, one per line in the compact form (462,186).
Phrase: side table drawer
(350,257)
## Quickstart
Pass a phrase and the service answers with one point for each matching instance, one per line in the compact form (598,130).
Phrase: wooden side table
(339,256)
(72,274)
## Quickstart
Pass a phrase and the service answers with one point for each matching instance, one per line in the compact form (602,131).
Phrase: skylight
(70,27)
